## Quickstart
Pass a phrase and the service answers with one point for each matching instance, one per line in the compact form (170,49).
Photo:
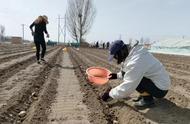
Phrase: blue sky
(114,18)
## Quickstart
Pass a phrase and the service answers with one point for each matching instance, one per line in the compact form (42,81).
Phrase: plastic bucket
(98,75)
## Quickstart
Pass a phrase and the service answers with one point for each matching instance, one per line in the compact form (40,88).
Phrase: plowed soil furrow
(29,92)
(184,68)
(96,56)
(39,110)
(14,51)
(177,66)
(96,52)
(177,71)
(6,58)
(15,65)
(173,58)
(12,46)
(180,98)
(99,111)
(11,49)
(16,81)
(174,61)
(92,93)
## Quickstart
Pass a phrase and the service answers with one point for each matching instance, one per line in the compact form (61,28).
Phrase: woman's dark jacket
(40,28)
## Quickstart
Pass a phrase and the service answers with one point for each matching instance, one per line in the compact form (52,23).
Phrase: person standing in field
(107,45)
(103,45)
(140,71)
(38,34)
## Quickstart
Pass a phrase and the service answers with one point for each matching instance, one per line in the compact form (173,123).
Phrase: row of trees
(80,16)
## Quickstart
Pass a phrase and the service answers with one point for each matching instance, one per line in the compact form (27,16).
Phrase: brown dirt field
(28,87)
(175,108)
(21,79)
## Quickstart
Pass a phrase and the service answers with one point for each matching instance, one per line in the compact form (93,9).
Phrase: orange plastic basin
(98,75)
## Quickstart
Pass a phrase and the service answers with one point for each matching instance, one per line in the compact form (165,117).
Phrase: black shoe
(42,59)
(38,62)
(143,103)
(137,99)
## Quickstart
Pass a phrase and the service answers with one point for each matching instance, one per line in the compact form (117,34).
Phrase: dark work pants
(146,85)
(43,45)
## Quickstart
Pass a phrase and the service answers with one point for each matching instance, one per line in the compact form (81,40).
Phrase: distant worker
(107,45)
(97,44)
(140,71)
(103,45)
(38,33)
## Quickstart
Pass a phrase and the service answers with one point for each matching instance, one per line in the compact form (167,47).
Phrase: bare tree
(80,15)
(2,32)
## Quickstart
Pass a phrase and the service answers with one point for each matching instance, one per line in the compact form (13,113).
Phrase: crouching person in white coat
(140,71)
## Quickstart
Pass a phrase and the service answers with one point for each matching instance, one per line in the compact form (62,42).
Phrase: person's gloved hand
(113,76)
(105,97)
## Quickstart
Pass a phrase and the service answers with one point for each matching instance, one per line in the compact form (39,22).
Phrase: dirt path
(68,107)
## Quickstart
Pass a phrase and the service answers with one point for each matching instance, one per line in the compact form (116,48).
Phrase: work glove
(105,97)
(113,76)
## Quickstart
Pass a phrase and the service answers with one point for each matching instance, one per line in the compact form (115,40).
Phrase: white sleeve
(133,75)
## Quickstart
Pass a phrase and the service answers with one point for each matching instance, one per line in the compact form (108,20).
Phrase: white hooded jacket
(140,63)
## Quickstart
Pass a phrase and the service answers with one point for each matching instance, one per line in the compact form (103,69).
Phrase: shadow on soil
(60,66)
(164,111)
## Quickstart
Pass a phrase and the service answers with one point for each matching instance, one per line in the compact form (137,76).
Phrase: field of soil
(175,108)
(28,90)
